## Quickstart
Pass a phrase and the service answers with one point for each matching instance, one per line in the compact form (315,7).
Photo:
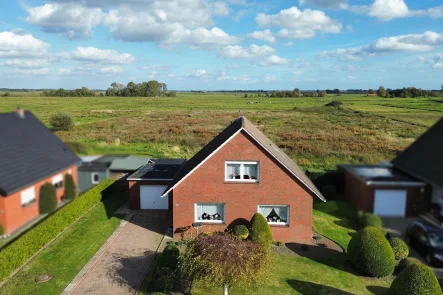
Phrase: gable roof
(243,124)
(29,152)
(423,159)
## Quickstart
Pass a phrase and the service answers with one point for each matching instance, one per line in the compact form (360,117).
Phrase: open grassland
(364,130)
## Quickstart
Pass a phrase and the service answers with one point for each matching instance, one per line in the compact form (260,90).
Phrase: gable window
(95,178)
(210,212)
(275,214)
(242,171)
(57,181)
(27,196)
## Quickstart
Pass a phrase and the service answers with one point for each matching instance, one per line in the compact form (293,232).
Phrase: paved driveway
(397,227)
(121,268)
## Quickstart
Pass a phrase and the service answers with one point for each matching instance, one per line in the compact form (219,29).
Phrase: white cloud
(388,9)
(220,9)
(25,63)
(437,61)
(404,43)
(265,35)
(242,79)
(31,72)
(324,3)
(90,70)
(297,24)
(269,78)
(111,70)
(262,55)
(71,20)
(434,12)
(202,37)
(273,60)
(95,55)
(197,73)
(288,44)
(21,45)
(239,15)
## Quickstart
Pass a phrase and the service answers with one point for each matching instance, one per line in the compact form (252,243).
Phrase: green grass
(69,253)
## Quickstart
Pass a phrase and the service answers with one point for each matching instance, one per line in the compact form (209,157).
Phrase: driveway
(123,265)
(397,227)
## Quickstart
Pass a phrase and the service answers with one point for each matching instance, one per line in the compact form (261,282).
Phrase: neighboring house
(239,173)
(382,190)
(94,169)
(150,181)
(408,186)
(30,156)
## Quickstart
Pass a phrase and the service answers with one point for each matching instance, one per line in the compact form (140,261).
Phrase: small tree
(48,199)
(371,91)
(61,121)
(69,187)
(223,260)
(260,231)
(381,91)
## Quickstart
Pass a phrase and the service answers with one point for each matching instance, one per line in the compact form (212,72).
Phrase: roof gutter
(396,183)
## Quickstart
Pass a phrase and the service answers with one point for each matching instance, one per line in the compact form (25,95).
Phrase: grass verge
(69,253)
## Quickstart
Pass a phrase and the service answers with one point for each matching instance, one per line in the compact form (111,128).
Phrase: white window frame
(58,179)
(92,177)
(242,167)
(277,223)
(209,221)
(25,194)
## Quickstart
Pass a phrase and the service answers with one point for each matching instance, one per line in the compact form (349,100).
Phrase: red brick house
(30,156)
(239,173)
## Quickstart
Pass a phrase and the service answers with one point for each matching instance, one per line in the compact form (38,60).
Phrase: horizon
(232,45)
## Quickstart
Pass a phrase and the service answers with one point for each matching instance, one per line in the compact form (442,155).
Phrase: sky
(222,45)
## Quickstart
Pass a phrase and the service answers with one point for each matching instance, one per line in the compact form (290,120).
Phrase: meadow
(363,130)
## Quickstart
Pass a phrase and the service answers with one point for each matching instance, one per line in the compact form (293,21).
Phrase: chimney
(20,112)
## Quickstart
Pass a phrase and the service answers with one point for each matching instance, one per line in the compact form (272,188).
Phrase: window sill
(28,204)
(208,222)
(241,181)
(278,224)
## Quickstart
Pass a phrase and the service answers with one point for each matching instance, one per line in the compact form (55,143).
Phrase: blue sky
(222,45)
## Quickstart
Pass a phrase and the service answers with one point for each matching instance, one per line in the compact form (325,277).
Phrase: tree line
(79,92)
(406,92)
(151,88)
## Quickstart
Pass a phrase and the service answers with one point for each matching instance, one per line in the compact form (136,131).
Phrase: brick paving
(120,266)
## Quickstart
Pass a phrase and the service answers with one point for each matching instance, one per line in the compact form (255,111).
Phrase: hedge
(416,279)
(241,232)
(69,187)
(260,231)
(47,198)
(15,254)
(399,247)
(371,253)
(369,219)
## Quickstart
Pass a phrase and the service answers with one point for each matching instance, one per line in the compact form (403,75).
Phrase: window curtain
(231,170)
(281,211)
(265,211)
(251,170)
(211,210)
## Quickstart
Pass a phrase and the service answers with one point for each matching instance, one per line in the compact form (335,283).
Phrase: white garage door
(150,197)
(390,203)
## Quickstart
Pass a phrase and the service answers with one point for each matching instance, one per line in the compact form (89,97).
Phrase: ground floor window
(275,214)
(95,178)
(205,212)
(27,196)
(57,181)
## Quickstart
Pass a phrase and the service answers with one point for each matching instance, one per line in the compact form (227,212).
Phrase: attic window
(241,171)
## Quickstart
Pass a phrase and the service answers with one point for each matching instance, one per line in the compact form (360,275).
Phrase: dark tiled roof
(29,152)
(259,137)
(423,159)
(164,169)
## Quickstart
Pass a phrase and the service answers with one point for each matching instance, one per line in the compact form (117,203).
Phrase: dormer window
(242,171)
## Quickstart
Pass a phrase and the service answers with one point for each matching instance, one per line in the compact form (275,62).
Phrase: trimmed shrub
(399,247)
(2,230)
(171,250)
(406,262)
(260,231)
(168,261)
(48,199)
(241,231)
(69,187)
(370,253)
(164,284)
(61,121)
(416,279)
(369,219)
(16,253)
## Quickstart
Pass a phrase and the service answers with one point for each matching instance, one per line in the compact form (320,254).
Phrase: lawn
(290,274)
(365,130)
(69,253)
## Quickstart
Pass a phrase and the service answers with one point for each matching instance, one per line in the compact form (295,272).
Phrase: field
(363,130)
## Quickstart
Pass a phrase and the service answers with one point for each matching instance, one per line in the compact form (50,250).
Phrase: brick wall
(276,187)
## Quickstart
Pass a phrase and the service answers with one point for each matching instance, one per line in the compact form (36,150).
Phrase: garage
(150,197)
(390,202)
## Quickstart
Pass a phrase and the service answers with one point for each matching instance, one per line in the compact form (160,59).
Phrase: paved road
(123,265)
(397,227)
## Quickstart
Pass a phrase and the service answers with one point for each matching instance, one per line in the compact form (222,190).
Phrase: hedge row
(33,240)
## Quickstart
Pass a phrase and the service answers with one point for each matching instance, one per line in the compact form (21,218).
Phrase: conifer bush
(260,231)
(48,199)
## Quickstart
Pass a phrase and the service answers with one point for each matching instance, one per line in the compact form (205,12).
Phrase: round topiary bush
(69,187)
(260,231)
(399,248)
(406,262)
(241,231)
(164,284)
(416,279)
(370,252)
(61,121)
(369,219)
(48,199)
